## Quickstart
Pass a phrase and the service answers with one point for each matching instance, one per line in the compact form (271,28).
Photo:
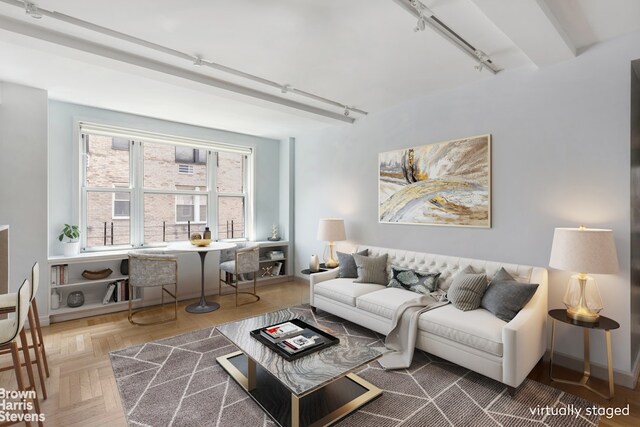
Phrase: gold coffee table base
(301,410)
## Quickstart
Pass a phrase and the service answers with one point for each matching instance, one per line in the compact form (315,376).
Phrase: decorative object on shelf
(56,299)
(71,247)
(331,230)
(275,254)
(96,275)
(124,267)
(583,250)
(314,264)
(447,183)
(266,271)
(274,234)
(207,234)
(198,240)
(75,299)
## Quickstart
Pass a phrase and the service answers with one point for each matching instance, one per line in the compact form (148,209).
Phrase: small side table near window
(604,324)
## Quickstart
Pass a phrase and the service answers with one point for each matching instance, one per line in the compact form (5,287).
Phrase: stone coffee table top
(308,373)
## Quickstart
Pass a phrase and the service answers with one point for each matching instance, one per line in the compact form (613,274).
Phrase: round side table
(604,324)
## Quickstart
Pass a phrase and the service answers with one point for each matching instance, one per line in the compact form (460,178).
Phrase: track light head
(285,88)
(479,67)
(346,111)
(197,61)
(421,25)
(32,10)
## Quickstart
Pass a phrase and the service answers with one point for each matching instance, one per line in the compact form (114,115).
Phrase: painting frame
(475,186)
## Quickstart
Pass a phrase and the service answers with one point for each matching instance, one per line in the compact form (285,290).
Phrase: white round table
(201,306)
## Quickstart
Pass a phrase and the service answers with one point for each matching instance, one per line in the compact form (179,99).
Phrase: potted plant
(71,232)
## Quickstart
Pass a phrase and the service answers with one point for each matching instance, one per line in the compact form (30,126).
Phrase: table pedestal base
(320,407)
(198,307)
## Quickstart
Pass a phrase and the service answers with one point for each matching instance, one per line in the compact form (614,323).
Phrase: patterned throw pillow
(467,289)
(414,281)
(371,269)
(347,266)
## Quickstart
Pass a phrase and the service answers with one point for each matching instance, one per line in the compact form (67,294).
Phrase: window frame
(123,189)
(136,181)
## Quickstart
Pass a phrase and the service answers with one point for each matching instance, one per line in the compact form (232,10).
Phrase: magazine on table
(278,332)
(298,343)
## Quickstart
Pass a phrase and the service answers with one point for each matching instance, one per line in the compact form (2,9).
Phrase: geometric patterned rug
(177,382)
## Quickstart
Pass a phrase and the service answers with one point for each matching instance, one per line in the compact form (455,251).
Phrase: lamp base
(331,263)
(583,315)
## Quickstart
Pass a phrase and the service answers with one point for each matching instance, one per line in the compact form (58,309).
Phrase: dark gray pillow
(347,266)
(421,282)
(502,274)
(371,269)
(467,289)
(505,298)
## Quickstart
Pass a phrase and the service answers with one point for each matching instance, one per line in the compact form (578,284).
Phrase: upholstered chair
(149,268)
(244,259)
(10,331)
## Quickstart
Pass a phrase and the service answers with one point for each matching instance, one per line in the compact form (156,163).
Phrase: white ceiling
(362,53)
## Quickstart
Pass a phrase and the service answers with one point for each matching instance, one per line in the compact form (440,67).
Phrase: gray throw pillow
(421,282)
(371,269)
(347,266)
(502,274)
(506,297)
(467,289)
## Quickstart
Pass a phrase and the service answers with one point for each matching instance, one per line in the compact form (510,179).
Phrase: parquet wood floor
(82,389)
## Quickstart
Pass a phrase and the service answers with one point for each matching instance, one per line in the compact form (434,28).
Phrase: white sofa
(474,339)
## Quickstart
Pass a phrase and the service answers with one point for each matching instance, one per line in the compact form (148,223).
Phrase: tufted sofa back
(448,266)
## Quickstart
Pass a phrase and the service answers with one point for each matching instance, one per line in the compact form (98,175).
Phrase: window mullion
(137,194)
(212,193)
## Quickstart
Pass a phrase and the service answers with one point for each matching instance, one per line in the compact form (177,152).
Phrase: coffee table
(315,390)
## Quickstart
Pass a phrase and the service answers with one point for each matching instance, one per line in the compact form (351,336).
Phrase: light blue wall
(560,157)
(62,203)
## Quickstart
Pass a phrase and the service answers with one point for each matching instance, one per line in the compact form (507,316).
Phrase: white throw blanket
(402,338)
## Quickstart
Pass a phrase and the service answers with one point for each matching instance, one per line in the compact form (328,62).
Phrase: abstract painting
(446,183)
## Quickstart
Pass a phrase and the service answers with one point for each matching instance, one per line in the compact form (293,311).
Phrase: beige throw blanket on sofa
(404,329)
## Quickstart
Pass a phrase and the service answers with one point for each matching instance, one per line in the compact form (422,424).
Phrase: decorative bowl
(96,275)
(201,242)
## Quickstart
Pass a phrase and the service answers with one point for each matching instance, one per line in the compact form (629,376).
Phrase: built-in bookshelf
(66,277)
(274,261)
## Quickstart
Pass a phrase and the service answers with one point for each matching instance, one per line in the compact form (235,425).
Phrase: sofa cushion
(385,302)
(467,289)
(371,269)
(415,281)
(347,265)
(344,290)
(478,329)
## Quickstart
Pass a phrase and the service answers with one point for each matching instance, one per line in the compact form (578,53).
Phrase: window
(191,155)
(137,196)
(121,205)
(120,144)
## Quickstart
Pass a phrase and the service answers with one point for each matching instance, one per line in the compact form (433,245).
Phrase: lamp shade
(331,229)
(584,250)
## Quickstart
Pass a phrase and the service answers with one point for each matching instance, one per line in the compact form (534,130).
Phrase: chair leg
(17,366)
(27,360)
(36,316)
(237,285)
(36,351)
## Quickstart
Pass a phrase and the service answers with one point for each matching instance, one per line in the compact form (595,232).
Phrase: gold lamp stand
(329,256)
(581,306)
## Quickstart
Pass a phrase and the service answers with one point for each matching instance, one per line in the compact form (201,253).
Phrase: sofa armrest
(524,339)
(320,277)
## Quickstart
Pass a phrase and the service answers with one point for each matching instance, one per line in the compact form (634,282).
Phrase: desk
(604,324)
(201,306)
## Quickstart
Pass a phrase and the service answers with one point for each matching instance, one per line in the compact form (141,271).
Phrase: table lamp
(331,230)
(583,250)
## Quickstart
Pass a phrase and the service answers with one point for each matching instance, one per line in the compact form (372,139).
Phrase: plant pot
(71,248)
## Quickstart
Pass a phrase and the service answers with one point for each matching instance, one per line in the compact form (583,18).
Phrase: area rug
(177,382)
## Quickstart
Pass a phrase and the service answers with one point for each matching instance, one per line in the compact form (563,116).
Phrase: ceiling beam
(51,36)
(534,29)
